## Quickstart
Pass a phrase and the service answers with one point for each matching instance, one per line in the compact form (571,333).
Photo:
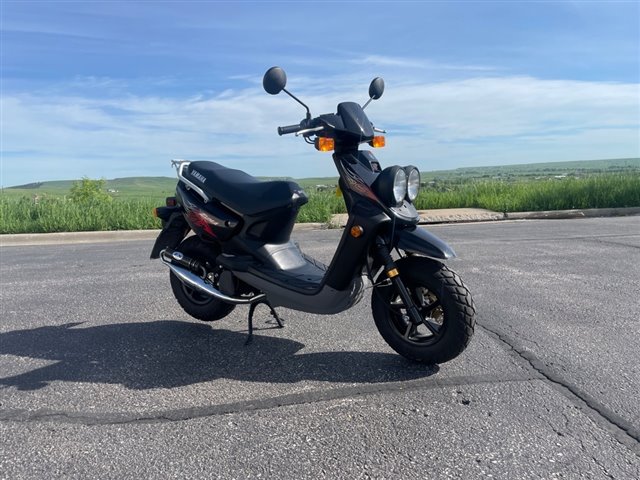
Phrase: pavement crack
(610,242)
(624,431)
(602,466)
(245,406)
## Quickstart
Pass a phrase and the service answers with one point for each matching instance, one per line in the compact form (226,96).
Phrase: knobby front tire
(444,303)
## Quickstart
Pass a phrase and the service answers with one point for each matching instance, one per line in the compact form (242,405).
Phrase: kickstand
(252,310)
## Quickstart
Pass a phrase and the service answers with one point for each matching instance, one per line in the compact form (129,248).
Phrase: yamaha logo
(198,175)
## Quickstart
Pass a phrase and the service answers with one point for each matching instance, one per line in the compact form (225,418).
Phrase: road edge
(427,217)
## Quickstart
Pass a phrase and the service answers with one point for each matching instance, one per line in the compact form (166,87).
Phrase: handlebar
(289,129)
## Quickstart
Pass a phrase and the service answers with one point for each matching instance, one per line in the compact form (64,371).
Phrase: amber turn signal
(155,212)
(357,231)
(324,144)
(377,142)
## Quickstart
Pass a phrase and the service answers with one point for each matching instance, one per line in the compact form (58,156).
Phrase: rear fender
(173,232)
(164,213)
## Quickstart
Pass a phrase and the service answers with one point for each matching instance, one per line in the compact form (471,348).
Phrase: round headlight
(413,182)
(391,186)
(399,186)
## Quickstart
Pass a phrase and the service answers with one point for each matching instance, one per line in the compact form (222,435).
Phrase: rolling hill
(156,187)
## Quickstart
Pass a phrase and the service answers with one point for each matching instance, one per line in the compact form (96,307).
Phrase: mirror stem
(297,100)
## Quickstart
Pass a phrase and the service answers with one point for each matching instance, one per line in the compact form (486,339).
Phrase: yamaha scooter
(241,252)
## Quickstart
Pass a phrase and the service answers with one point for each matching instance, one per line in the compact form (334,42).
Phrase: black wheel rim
(196,296)
(433,322)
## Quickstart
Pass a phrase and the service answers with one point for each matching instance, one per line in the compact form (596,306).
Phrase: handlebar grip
(289,129)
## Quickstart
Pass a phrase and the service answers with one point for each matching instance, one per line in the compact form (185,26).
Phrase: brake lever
(308,130)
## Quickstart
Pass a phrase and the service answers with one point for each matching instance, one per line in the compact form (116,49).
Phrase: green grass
(597,191)
(52,214)
(321,206)
(47,208)
(133,187)
(536,170)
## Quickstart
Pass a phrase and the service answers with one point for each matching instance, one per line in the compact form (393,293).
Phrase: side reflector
(155,212)
(377,142)
(357,231)
(393,273)
(325,144)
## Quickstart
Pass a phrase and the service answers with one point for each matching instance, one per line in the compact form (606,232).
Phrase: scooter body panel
(211,221)
(326,300)
(420,241)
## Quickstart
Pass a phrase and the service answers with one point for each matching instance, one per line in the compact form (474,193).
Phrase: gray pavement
(103,376)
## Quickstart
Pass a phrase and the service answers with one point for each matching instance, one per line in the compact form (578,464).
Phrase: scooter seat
(241,192)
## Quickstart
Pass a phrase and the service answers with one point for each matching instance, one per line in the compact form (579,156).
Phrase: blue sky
(115,89)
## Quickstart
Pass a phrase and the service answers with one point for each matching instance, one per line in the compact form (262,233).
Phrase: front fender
(418,240)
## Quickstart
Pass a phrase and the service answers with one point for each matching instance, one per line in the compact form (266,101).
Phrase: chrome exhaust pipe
(194,281)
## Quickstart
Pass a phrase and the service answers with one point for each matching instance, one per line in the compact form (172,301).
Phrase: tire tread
(458,333)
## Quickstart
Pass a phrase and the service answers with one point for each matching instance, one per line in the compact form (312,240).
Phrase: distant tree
(87,190)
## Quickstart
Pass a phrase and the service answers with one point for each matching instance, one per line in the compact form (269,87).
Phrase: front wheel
(445,306)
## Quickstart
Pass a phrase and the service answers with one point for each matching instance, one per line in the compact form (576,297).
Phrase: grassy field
(51,214)
(119,188)
(536,170)
(595,191)
(609,183)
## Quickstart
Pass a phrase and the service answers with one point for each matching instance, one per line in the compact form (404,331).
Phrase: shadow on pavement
(166,354)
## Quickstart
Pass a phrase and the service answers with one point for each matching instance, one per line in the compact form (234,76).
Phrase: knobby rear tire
(195,303)
(441,297)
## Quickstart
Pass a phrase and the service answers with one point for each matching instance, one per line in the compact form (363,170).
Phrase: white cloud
(417,63)
(380,60)
(496,120)
(513,106)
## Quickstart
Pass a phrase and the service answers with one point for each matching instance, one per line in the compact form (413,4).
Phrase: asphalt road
(103,376)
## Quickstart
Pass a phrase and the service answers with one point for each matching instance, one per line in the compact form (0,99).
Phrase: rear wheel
(445,305)
(195,303)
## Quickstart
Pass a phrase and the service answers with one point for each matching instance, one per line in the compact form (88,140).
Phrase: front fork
(384,256)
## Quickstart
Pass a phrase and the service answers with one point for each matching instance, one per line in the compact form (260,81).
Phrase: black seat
(242,192)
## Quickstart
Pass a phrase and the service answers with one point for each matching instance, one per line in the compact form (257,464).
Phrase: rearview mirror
(376,89)
(274,80)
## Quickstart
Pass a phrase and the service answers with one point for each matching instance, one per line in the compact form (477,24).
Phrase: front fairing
(355,121)
(358,171)
(349,127)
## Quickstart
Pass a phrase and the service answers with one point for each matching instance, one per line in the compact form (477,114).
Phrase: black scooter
(241,253)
